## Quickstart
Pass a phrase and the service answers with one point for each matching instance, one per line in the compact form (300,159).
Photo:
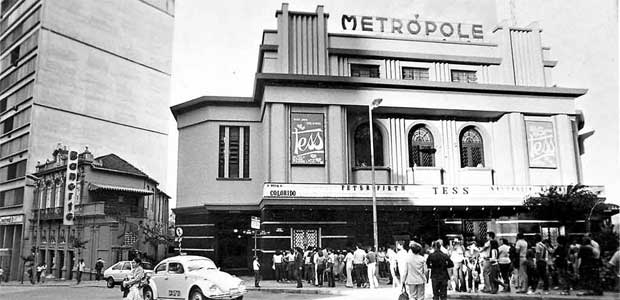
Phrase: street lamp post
(38,236)
(375,103)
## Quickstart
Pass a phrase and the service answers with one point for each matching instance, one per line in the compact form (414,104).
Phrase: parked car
(192,277)
(116,273)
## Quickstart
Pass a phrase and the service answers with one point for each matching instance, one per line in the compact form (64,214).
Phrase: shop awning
(95,187)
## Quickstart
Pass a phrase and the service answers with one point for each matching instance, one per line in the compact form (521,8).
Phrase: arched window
(421,147)
(472,154)
(361,141)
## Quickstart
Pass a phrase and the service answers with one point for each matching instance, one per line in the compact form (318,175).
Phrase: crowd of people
(468,267)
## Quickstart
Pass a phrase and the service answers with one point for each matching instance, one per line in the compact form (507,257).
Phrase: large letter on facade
(347,19)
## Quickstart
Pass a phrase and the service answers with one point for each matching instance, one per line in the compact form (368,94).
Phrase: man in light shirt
(521,247)
(391,256)
(358,265)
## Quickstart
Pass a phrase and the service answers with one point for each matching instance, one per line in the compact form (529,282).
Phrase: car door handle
(166,278)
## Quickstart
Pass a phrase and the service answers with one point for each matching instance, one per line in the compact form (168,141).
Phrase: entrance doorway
(303,238)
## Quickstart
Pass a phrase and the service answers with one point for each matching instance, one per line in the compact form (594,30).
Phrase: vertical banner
(307,139)
(70,188)
(541,144)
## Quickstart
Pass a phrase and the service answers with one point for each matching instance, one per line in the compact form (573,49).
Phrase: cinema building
(470,125)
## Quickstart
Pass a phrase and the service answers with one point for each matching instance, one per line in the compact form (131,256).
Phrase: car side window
(160,268)
(127,266)
(117,266)
(175,268)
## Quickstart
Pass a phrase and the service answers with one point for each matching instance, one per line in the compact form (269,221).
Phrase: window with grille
(358,70)
(234,152)
(415,73)
(472,154)
(421,147)
(361,140)
(464,76)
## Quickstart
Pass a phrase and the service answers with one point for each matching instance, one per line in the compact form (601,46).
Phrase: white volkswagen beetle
(194,278)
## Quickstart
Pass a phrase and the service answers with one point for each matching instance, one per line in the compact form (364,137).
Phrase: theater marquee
(424,195)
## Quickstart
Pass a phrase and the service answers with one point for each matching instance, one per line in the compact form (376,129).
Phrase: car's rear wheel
(196,294)
(148,293)
(110,282)
(239,298)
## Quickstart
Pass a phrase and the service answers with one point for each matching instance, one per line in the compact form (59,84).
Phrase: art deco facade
(470,125)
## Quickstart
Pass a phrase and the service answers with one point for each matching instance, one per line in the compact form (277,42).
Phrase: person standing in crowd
(290,265)
(414,272)
(588,267)
(277,265)
(321,262)
(382,263)
(308,265)
(80,269)
(401,256)
(505,264)
(560,254)
(358,265)
(349,266)
(521,248)
(614,263)
(530,268)
(342,276)
(439,263)
(541,262)
(457,255)
(371,264)
(298,262)
(473,268)
(332,258)
(256,268)
(485,252)
(99,269)
(391,258)
(494,271)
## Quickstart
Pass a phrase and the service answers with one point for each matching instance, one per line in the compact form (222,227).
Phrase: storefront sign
(541,144)
(254,222)
(412,27)
(429,195)
(14,219)
(70,188)
(307,139)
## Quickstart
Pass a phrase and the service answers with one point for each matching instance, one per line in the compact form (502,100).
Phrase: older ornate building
(118,211)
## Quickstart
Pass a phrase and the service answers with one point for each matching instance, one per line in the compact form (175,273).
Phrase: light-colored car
(116,273)
(194,278)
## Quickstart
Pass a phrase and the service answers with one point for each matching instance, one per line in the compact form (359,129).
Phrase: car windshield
(199,264)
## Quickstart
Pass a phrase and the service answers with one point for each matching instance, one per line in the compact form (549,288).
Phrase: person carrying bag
(136,281)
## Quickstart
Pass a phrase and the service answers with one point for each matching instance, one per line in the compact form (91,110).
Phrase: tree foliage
(564,203)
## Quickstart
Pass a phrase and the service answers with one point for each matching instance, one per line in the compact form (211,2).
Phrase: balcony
(476,176)
(91,209)
(364,175)
(425,175)
(53,213)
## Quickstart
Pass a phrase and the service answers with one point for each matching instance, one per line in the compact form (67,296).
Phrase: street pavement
(269,290)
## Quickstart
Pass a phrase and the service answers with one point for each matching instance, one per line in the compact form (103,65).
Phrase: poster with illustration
(541,144)
(307,139)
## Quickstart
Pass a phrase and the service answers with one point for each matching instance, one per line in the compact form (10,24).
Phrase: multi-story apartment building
(92,73)
(469,126)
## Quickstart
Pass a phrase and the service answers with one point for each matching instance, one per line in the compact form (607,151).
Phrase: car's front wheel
(196,294)
(239,298)
(148,293)
(110,282)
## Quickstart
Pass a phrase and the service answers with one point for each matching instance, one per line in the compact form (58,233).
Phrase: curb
(451,296)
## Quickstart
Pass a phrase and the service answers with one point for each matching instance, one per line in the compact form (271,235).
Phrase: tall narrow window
(359,70)
(421,147)
(361,140)
(472,154)
(234,152)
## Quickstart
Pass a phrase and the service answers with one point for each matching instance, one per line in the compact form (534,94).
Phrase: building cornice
(459,59)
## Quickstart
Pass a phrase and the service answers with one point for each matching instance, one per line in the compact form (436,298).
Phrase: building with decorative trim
(470,125)
(119,212)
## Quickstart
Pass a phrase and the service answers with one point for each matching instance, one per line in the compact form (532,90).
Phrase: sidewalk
(57,282)
(386,292)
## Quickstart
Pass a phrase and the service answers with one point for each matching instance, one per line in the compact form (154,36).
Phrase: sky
(215,52)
